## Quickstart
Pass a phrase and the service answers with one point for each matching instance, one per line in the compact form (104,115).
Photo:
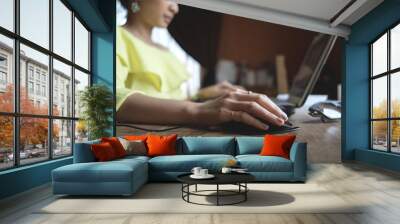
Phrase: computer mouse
(240,128)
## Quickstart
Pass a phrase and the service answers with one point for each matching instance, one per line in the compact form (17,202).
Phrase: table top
(220,178)
(324,139)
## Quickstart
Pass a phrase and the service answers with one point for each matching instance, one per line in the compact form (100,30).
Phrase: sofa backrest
(190,146)
(249,145)
(83,153)
(206,145)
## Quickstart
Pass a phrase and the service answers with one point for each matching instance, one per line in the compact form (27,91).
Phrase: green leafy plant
(96,102)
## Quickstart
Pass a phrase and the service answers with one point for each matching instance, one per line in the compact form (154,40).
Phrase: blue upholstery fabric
(207,145)
(118,177)
(130,158)
(99,188)
(249,145)
(83,152)
(257,163)
(184,163)
(298,155)
(94,172)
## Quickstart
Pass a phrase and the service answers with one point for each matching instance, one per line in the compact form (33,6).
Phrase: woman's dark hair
(125,3)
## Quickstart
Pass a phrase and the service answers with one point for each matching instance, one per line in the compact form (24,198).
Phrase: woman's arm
(250,108)
(139,108)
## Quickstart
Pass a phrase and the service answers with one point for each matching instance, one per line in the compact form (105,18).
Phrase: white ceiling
(320,9)
(314,15)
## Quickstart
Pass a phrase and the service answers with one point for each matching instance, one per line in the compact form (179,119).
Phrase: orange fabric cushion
(161,145)
(116,145)
(277,145)
(103,152)
(135,137)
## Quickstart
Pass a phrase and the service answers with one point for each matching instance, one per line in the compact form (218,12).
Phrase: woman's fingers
(231,87)
(243,117)
(239,87)
(255,109)
(262,100)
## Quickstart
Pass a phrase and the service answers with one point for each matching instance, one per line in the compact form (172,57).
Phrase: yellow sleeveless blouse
(146,69)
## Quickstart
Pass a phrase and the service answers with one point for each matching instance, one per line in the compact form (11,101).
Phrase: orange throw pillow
(103,152)
(116,145)
(161,145)
(277,145)
(135,137)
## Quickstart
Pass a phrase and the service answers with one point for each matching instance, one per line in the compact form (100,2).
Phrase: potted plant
(96,102)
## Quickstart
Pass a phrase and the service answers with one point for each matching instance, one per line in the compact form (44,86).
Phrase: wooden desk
(323,139)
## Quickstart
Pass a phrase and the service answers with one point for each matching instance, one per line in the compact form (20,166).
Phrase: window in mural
(41,122)
(385,94)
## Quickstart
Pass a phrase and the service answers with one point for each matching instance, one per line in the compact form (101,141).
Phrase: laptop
(303,84)
(310,69)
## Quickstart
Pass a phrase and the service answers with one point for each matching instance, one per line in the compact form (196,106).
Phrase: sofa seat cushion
(133,157)
(185,163)
(112,171)
(257,163)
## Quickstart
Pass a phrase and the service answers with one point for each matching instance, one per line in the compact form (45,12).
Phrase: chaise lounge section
(125,176)
(87,177)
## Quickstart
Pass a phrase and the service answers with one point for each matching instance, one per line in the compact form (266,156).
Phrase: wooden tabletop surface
(323,139)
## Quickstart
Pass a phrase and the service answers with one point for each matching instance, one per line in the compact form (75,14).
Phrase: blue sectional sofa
(125,176)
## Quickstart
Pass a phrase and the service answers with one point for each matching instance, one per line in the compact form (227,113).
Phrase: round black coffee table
(238,179)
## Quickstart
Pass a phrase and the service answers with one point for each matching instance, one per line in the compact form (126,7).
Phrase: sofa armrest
(83,152)
(298,155)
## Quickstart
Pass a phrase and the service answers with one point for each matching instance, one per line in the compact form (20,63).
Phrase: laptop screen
(310,69)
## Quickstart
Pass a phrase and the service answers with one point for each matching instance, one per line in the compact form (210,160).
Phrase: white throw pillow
(137,147)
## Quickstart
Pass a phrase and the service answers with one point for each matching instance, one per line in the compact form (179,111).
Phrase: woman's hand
(217,90)
(253,109)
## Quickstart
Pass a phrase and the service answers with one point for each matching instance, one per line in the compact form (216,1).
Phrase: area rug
(166,198)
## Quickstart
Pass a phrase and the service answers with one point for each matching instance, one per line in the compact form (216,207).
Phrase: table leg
(217,194)
(188,189)
(196,187)
(245,193)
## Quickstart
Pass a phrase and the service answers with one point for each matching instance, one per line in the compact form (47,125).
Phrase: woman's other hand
(250,108)
(217,90)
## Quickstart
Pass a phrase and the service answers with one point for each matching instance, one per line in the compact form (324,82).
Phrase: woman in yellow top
(149,80)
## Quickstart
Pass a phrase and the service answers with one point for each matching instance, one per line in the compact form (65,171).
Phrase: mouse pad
(240,128)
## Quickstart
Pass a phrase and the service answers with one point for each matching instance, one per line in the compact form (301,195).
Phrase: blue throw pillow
(249,145)
(83,153)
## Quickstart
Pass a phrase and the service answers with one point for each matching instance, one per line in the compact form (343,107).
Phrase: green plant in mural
(96,102)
